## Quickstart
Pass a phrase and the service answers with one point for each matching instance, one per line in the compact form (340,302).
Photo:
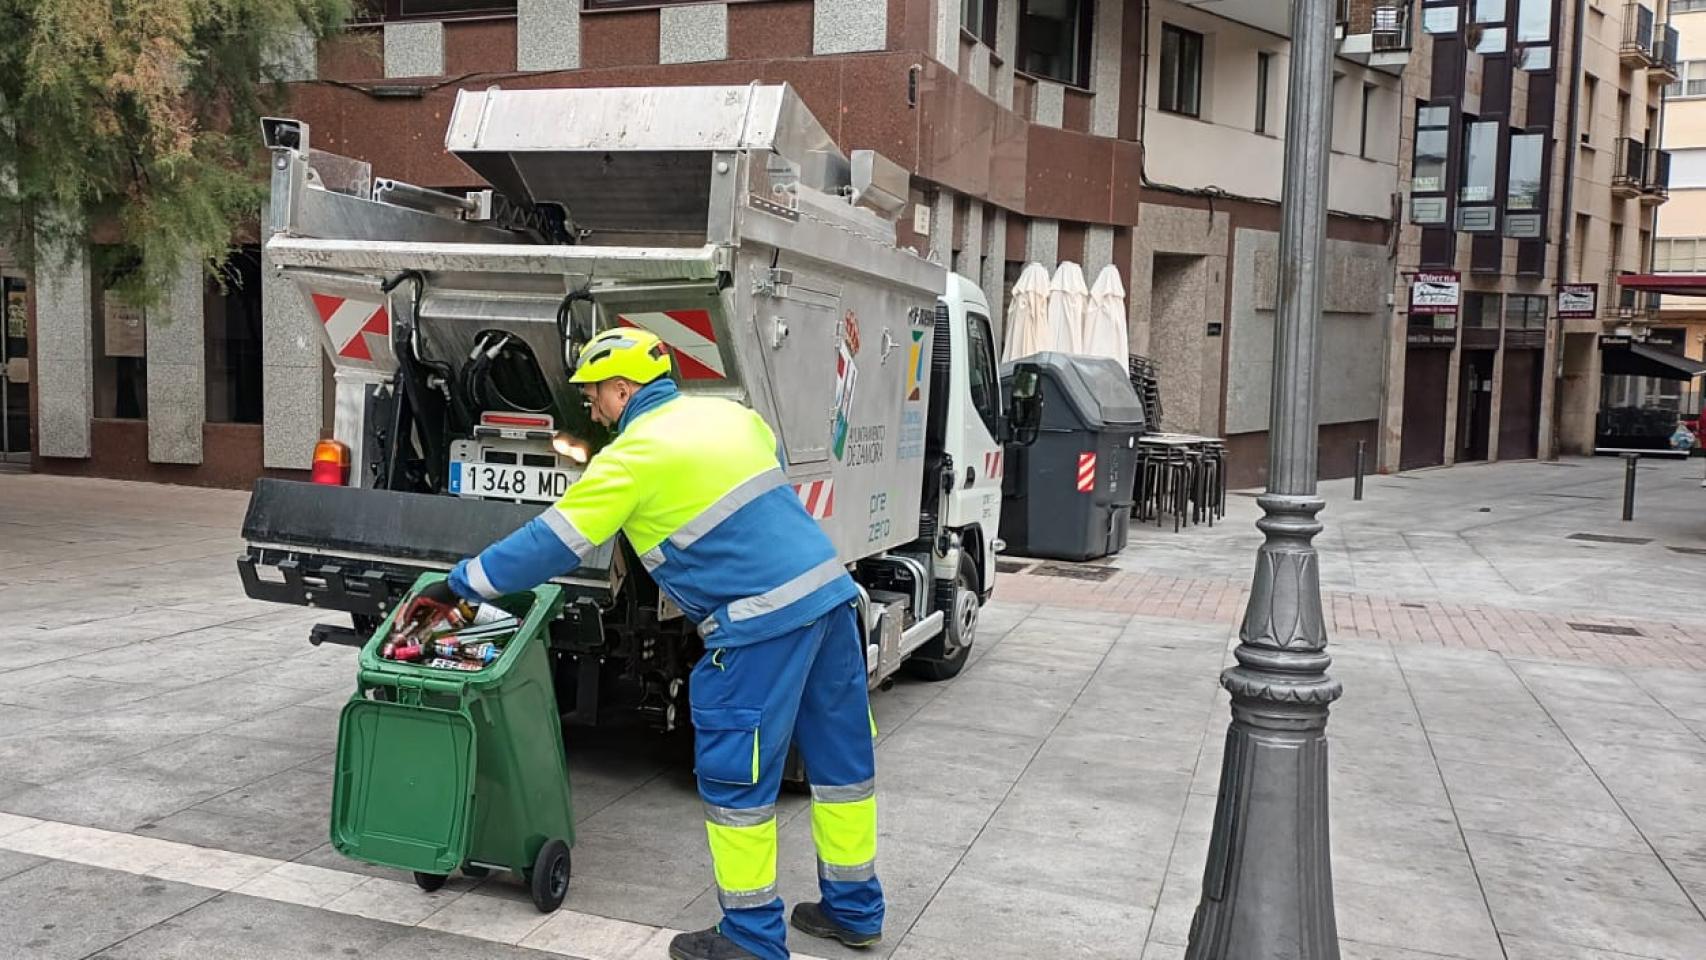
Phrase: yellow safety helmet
(627,352)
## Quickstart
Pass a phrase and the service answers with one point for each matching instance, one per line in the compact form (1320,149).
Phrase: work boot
(707,944)
(811,918)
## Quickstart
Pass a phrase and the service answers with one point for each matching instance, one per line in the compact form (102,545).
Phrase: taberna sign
(1433,292)
(1578,301)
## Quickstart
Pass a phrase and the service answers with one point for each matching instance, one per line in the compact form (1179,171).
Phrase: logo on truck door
(691,337)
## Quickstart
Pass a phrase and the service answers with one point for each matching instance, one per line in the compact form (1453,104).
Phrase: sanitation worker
(695,485)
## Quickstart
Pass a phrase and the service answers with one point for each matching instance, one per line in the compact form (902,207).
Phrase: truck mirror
(1025,403)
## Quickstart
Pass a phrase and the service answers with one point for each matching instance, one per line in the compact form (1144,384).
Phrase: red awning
(1677,284)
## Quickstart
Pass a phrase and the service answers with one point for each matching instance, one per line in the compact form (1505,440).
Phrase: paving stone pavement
(165,748)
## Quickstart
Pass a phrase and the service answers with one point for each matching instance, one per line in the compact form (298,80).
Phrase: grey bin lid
(1098,389)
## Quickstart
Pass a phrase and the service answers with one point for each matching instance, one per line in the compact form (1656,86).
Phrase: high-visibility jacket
(695,485)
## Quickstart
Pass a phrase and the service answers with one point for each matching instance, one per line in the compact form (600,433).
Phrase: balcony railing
(1664,69)
(1656,187)
(1634,304)
(1637,49)
(1629,170)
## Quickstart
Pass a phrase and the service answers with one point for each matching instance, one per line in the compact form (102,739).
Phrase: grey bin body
(1089,407)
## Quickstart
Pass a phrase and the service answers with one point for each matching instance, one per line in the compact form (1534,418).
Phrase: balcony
(1638,37)
(1664,67)
(1375,32)
(1634,304)
(1655,189)
(1629,170)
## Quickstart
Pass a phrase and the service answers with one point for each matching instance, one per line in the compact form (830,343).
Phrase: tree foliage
(142,115)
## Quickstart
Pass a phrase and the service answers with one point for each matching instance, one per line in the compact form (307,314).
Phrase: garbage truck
(725,220)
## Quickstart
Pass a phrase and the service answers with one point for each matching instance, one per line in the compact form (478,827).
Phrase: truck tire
(946,654)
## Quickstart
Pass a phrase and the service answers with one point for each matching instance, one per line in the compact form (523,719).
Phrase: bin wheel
(550,878)
(474,872)
(429,882)
(945,655)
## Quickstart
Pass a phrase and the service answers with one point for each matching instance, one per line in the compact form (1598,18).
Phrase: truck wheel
(946,654)
(429,882)
(550,880)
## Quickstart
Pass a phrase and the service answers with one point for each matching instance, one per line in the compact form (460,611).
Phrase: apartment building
(1020,120)
(1532,181)
(1679,253)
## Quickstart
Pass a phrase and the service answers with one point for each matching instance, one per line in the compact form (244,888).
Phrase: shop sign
(1435,292)
(1578,301)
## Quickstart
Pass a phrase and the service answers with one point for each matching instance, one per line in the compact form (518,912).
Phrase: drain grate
(1608,538)
(1072,571)
(1608,629)
(1692,551)
(1414,606)
(1010,566)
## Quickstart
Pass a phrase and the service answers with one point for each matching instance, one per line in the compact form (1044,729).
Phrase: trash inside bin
(433,716)
(1068,495)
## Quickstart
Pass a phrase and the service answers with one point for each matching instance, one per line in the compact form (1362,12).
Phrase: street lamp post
(1268,885)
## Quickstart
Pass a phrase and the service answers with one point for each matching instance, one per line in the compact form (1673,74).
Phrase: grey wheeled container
(1068,496)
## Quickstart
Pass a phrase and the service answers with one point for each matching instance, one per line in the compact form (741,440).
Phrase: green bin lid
(404,785)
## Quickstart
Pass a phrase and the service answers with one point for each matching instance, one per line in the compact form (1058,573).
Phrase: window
(233,318)
(1525,312)
(1433,146)
(121,339)
(1492,41)
(1368,94)
(1264,61)
(1623,114)
(1440,20)
(1534,21)
(1523,188)
(1489,11)
(1688,167)
(1481,310)
(977,17)
(1181,71)
(411,9)
(1480,161)
(1590,105)
(1679,255)
(1694,80)
(985,381)
(1054,40)
(1535,59)
(1687,6)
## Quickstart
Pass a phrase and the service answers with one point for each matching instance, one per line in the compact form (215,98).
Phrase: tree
(142,115)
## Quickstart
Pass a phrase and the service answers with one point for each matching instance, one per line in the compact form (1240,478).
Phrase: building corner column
(176,347)
(64,335)
(547,34)
(292,381)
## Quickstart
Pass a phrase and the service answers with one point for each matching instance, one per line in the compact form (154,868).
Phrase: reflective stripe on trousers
(844,829)
(743,853)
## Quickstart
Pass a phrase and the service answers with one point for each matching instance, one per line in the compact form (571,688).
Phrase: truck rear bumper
(359,551)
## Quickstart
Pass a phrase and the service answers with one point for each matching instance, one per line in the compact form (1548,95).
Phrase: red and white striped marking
(690,336)
(818,496)
(1086,472)
(346,321)
(993,465)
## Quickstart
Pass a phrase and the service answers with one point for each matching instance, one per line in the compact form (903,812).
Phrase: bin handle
(367,679)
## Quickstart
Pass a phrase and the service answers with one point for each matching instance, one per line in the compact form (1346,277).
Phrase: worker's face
(607,399)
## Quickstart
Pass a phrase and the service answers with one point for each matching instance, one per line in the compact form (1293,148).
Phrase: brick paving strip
(1584,637)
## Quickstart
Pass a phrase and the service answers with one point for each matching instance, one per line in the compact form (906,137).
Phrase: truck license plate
(505,482)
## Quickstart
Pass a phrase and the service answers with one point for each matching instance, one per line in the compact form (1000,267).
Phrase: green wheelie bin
(441,770)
